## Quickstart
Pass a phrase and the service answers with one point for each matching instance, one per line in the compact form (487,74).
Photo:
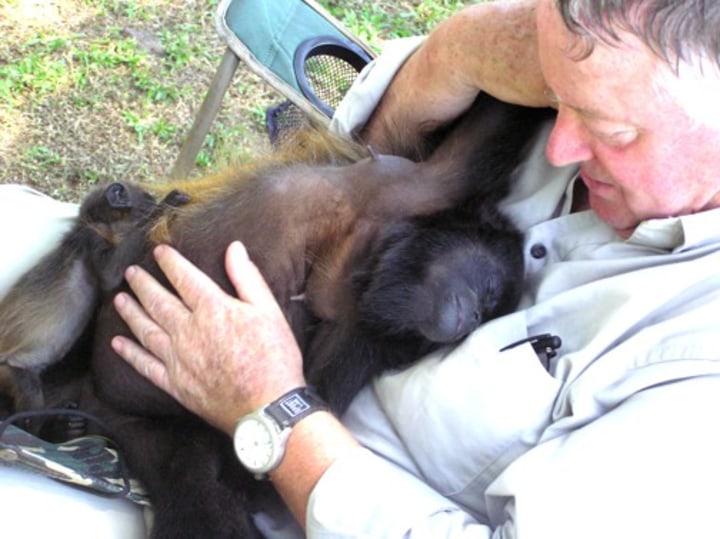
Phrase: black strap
(295,405)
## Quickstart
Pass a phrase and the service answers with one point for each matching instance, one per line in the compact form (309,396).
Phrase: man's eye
(619,138)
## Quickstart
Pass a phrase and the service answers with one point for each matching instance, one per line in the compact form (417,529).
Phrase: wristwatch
(261,435)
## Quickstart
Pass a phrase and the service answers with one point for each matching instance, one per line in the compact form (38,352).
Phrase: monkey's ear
(117,196)
(176,198)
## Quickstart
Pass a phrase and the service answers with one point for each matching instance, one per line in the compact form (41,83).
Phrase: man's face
(624,117)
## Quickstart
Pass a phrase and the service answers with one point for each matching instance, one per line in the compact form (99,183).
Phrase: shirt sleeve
(363,495)
(364,95)
(647,468)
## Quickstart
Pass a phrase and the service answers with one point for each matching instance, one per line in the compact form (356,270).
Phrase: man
(617,437)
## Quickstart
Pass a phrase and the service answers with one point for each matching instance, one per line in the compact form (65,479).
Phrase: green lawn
(96,90)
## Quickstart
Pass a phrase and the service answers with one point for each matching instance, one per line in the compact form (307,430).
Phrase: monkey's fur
(45,312)
(350,238)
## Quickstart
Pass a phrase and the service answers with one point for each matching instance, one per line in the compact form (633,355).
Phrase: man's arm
(487,47)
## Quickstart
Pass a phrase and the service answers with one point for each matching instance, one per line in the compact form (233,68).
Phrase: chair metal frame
(354,51)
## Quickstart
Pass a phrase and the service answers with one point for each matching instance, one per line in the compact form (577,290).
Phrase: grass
(377,21)
(99,90)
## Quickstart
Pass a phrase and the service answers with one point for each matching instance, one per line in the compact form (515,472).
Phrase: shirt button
(538,250)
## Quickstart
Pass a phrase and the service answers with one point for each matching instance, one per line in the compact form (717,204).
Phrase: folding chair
(298,48)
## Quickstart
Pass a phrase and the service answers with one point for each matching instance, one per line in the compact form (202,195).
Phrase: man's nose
(568,141)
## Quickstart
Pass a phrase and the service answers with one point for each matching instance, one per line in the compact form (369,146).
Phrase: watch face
(255,444)
(260,436)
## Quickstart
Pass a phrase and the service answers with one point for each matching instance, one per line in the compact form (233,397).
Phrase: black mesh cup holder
(325,68)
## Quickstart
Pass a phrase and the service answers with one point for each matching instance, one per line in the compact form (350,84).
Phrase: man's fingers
(191,283)
(150,334)
(142,361)
(246,278)
(161,304)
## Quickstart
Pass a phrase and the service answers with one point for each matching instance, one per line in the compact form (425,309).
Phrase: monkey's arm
(489,47)
(343,357)
(46,310)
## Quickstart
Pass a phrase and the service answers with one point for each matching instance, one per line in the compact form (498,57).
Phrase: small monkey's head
(116,208)
(115,202)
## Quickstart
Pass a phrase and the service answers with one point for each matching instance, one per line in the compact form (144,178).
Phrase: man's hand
(218,355)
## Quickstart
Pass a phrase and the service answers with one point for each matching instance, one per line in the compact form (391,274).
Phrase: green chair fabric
(270,37)
(272,31)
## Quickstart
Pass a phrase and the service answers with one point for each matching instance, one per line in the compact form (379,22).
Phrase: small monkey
(49,307)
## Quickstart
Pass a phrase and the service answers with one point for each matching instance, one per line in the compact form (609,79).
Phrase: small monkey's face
(455,295)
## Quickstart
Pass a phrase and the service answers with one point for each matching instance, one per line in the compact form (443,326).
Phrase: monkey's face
(439,284)
(458,292)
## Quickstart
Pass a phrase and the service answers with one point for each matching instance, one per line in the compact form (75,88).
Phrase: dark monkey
(329,235)
(429,281)
(346,249)
(44,314)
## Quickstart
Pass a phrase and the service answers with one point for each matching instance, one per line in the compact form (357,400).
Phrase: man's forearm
(314,444)
(489,47)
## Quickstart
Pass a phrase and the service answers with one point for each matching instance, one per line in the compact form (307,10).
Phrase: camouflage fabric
(89,462)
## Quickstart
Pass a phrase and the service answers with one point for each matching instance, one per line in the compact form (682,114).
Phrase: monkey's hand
(218,355)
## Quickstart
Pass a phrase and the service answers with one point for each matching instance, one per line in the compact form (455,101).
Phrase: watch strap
(294,406)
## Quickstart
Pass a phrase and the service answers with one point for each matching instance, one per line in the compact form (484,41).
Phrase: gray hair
(675,30)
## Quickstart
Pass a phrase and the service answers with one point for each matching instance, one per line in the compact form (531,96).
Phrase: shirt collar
(679,233)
